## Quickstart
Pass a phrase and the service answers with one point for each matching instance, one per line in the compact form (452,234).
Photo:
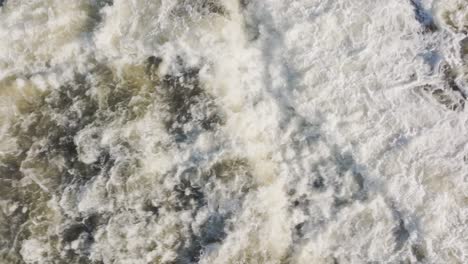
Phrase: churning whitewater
(233,131)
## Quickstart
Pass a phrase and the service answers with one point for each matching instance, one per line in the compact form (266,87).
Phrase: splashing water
(233,131)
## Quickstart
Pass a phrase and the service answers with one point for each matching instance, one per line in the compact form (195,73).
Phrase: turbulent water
(233,131)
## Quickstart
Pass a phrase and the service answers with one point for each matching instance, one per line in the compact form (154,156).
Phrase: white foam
(329,149)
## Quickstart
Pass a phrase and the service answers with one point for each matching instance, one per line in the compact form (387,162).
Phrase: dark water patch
(126,95)
(182,91)
(344,162)
(70,256)
(299,230)
(153,61)
(95,220)
(226,184)
(10,168)
(211,231)
(340,203)
(433,59)
(226,169)
(186,8)
(82,229)
(149,206)
(80,173)
(244,3)
(227,172)
(401,232)
(48,129)
(189,252)
(346,165)
(119,98)
(319,183)
(193,193)
(186,102)
(29,203)
(401,235)
(56,122)
(424,17)
(251,28)
(301,203)
(450,77)
(11,227)
(152,66)
(419,252)
(188,195)
(10,258)
(95,13)
(464,48)
(250,23)
(15,227)
(449,99)
(213,7)
(73,231)
(359,179)
(449,93)
(45,130)
(102,3)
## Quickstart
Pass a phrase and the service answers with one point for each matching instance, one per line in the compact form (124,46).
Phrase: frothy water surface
(233,131)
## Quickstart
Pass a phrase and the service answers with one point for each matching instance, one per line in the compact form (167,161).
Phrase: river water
(233,131)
